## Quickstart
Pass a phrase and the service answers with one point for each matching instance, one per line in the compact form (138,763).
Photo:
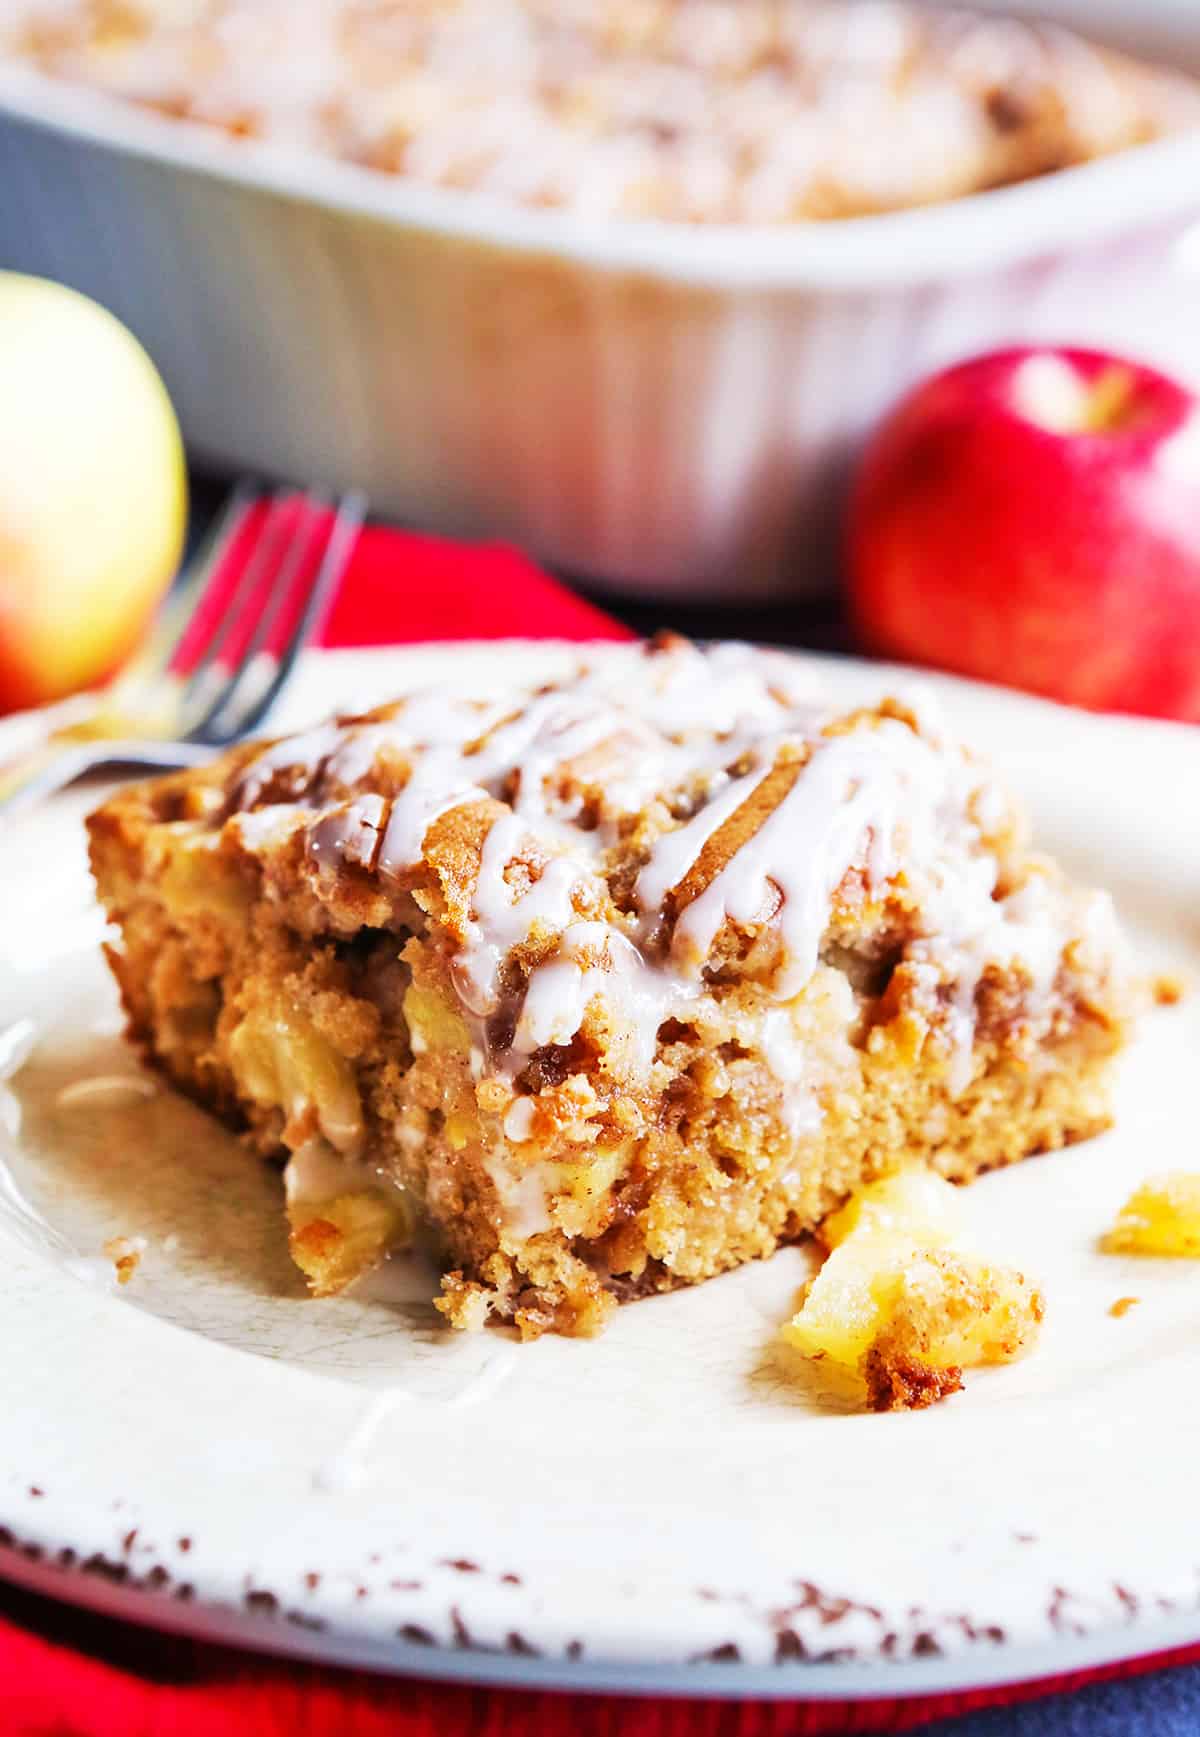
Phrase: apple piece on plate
(902,1304)
(1032,517)
(1161,1217)
(93,491)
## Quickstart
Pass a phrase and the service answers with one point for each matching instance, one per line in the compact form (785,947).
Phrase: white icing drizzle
(676,852)
(423,800)
(522,1191)
(518,1120)
(259,828)
(880,797)
(552,730)
(316,1173)
(1021,929)
(851,785)
(301,753)
(593,960)
(347,835)
(111,1089)
(782,1054)
(500,921)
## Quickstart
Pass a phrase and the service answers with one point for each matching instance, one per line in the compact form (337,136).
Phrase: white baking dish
(653,406)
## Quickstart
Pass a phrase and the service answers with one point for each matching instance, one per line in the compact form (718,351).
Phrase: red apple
(1033,517)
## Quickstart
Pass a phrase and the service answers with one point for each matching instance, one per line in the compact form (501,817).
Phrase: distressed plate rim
(484,1621)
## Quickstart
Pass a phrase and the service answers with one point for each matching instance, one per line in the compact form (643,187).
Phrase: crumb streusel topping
(743,111)
(662,826)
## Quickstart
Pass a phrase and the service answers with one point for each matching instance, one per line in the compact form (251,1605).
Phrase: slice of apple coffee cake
(608,985)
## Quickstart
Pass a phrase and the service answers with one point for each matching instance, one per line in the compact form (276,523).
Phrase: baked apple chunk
(902,1305)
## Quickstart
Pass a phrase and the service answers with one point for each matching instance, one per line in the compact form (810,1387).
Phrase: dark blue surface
(1165,1704)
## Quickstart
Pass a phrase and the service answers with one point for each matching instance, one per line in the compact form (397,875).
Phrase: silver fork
(218,655)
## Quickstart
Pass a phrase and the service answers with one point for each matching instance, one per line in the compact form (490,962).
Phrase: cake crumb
(125,1253)
(1123,1305)
(1168,989)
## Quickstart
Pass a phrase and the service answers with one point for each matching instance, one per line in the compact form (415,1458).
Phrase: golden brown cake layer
(613,985)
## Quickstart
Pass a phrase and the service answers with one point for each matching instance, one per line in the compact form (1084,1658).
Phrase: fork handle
(54,764)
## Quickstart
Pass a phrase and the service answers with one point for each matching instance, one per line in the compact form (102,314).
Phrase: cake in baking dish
(697,111)
(608,985)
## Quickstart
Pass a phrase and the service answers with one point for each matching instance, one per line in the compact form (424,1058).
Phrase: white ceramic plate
(659,1508)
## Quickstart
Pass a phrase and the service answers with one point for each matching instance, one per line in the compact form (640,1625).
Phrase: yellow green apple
(93,491)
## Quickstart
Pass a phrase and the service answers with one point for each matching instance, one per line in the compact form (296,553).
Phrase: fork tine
(274,668)
(204,682)
(290,587)
(181,607)
(140,720)
(283,550)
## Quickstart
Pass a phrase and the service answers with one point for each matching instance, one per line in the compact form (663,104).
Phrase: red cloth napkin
(65,1673)
(404,587)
